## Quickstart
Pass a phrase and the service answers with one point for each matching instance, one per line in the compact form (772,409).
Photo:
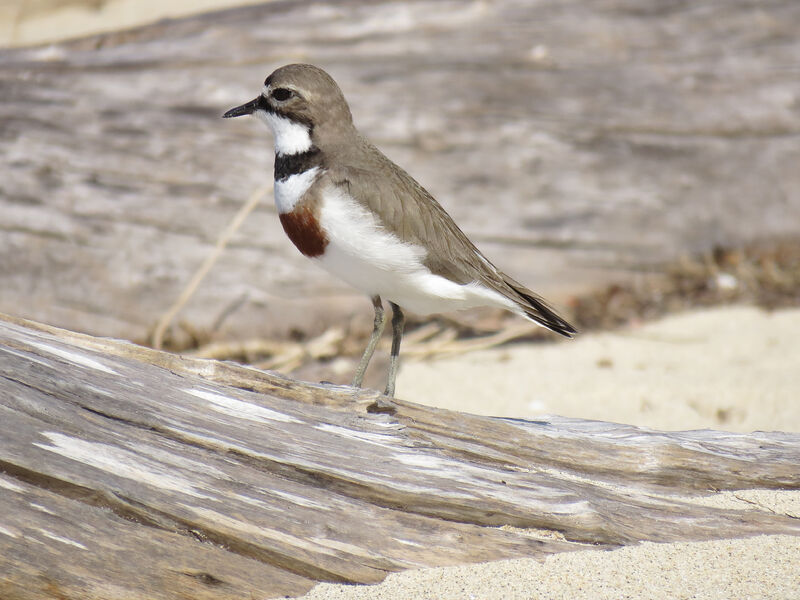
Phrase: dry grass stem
(200,274)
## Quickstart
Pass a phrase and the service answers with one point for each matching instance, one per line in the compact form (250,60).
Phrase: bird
(353,211)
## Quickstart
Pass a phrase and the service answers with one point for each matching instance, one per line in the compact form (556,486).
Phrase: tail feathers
(536,309)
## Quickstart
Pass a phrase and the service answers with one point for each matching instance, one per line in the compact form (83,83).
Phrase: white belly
(362,253)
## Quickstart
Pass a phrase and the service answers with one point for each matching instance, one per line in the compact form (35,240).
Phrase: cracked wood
(159,473)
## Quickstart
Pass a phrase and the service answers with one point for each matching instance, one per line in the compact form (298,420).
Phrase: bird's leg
(377,330)
(398,322)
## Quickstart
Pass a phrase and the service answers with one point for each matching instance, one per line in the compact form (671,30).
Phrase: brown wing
(407,210)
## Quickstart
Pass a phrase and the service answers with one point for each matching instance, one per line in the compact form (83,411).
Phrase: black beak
(245,109)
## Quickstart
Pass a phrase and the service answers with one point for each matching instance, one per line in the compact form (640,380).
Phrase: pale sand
(735,369)
(730,369)
(764,567)
(28,22)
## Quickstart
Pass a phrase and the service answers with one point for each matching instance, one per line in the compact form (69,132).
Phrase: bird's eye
(281,94)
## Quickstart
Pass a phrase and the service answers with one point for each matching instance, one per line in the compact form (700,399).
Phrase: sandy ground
(729,368)
(765,567)
(734,368)
(28,22)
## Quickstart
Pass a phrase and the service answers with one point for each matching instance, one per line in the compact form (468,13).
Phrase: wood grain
(127,469)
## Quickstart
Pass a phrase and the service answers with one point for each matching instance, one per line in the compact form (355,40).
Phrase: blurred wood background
(577,143)
(129,472)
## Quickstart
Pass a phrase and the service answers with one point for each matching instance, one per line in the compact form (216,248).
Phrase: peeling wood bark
(126,468)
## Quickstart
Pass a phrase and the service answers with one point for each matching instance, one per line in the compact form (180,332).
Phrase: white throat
(290,137)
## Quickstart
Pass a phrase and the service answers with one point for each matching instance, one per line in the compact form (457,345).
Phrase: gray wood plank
(55,546)
(223,479)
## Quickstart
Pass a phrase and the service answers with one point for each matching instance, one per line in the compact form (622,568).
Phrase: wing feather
(407,210)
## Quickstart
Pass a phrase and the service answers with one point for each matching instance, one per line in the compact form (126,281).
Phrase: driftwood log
(128,472)
(572,141)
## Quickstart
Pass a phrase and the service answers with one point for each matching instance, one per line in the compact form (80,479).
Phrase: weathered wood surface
(563,136)
(126,472)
